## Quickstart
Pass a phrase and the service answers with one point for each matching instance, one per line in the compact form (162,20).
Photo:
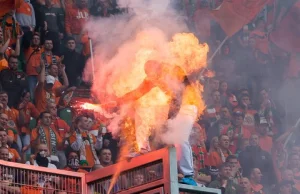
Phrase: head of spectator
(287,175)
(293,162)
(82,3)
(138,178)
(53,70)
(82,123)
(50,187)
(104,3)
(13,63)
(223,87)
(49,3)
(52,109)
(105,157)
(3,137)
(4,99)
(254,140)
(1,108)
(245,101)
(238,118)
(255,176)
(225,49)
(224,142)
(41,155)
(216,97)
(48,45)
(285,187)
(45,119)
(91,121)
(50,80)
(264,95)
(252,43)
(214,84)
(36,40)
(3,120)
(225,171)
(244,143)
(70,43)
(244,91)
(232,160)
(25,97)
(4,153)
(245,186)
(225,114)
(262,125)
(73,160)
(295,150)
(214,144)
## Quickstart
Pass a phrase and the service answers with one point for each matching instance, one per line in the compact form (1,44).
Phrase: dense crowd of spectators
(238,144)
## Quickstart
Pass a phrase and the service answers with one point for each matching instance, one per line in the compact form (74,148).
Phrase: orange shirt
(71,184)
(75,19)
(214,159)
(60,126)
(35,135)
(3,64)
(56,85)
(257,188)
(88,149)
(13,155)
(266,143)
(33,59)
(13,117)
(10,133)
(28,189)
(8,5)
(249,121)
(30,111)
(42,98)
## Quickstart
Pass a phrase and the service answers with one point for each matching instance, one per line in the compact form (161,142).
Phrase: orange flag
(286,34)
(232,15)
(7,5)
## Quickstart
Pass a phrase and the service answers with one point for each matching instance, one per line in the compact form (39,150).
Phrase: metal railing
(154,172)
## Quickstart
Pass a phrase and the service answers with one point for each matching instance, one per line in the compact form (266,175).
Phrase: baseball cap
(50,79)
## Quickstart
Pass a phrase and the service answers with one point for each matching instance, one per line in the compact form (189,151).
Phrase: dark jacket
(14,84)
(53,16)
(255,157)
(74,63)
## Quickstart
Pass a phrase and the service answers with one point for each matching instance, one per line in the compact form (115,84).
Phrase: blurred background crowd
(245,142)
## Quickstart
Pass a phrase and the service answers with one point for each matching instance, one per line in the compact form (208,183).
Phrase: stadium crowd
(239,143)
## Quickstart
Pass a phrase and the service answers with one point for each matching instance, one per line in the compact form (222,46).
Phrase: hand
(106,142)
(45,26)
(25,148)
(19,36)
(67,135)
(71,89)
(31,159)
(22,105)
(42,65)
(61,36)
(224,183)
(8,34)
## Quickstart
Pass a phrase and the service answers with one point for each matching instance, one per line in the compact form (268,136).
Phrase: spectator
(13,154)
(221,126)
(29,110)
(12,134)
(285,187)
(13,81)
(44,134)
(105,157)
(44,92)
(255,157)
(76,16)
(212,113)
(62,129)
(237,132)
(245,186)
(74,62)
(224,182)
(138,179)
(236,171)
(33,60)
(15,118)
(255,180)
(265,141)
(104,8)
(4,154)
(40,158)
(216,158)
(51,21)
(48,57)
(73,163)
(87,144)
(26,17)
(287,175)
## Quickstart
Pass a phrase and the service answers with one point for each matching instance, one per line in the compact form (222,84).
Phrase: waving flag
(7,5)
(232,15)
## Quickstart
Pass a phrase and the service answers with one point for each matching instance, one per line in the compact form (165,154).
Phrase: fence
(153,173)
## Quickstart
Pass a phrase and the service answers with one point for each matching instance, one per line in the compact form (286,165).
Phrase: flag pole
(92,59)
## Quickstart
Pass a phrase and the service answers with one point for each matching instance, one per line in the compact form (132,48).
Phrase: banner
(232,15)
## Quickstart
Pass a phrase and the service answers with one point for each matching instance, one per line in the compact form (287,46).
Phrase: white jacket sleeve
(78,143)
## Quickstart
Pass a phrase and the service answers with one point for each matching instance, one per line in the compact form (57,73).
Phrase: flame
(151,110)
